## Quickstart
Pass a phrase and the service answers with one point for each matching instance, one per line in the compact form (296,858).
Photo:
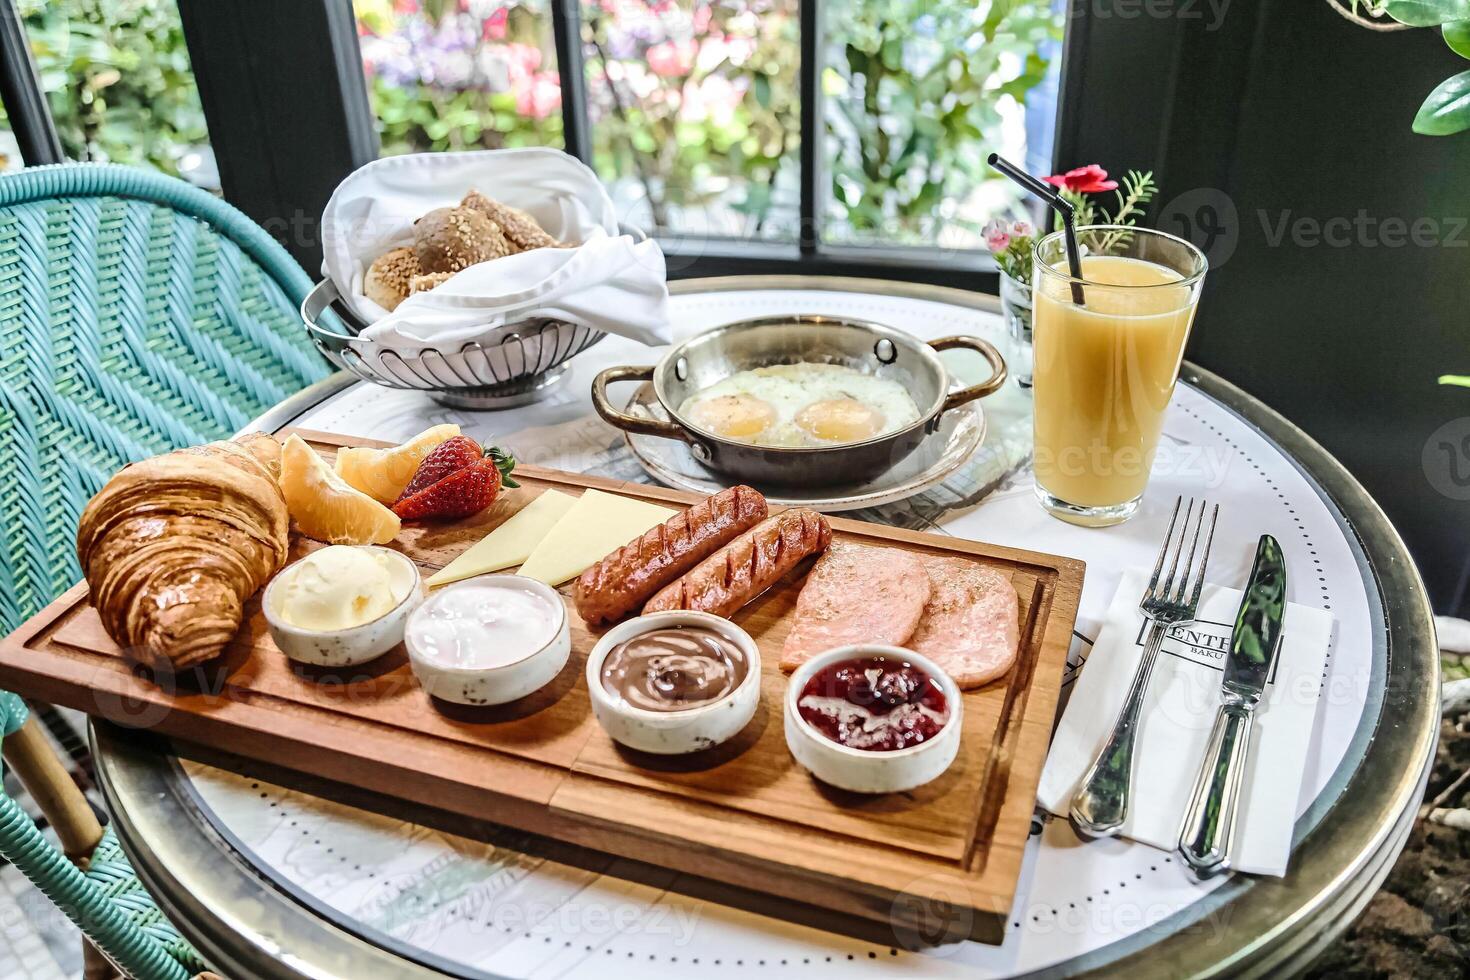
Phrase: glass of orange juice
(1107,352)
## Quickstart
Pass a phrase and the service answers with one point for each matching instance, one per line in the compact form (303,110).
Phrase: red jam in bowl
(875,703)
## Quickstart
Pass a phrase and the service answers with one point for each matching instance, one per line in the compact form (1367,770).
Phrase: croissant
(173,546)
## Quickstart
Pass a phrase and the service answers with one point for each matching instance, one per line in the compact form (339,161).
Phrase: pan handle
(623,420)
(991,384)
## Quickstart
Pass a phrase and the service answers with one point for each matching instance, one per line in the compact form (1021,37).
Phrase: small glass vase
(1015,303)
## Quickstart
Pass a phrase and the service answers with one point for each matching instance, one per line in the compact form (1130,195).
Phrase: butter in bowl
(342,605)
(671,683)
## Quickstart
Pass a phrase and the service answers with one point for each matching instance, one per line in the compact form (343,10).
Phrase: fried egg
(842,419)
(734,416)
(801,405)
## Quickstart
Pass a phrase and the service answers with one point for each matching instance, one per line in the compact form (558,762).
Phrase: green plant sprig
(1134,192)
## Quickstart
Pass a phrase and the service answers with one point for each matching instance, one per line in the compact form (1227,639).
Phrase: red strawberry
(447,457)
(464,492)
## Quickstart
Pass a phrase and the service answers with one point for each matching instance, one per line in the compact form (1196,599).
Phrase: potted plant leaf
(1446,110)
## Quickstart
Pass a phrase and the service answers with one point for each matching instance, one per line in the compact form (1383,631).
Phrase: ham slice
(857,594)
(971,624)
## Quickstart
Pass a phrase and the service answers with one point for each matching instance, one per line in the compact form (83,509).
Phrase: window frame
(20,92)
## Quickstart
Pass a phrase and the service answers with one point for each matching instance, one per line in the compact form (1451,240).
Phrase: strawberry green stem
(504,462)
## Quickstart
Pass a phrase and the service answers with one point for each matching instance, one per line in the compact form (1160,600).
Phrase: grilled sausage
(747,566)
(625,579)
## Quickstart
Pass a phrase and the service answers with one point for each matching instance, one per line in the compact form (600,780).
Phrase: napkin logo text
(1204,642)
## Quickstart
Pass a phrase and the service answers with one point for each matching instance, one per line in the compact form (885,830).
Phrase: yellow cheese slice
(511,542)
(598,523)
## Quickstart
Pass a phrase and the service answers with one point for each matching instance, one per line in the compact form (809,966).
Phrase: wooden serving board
(744,812)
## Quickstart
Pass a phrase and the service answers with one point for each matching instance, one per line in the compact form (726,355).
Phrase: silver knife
(1210,818)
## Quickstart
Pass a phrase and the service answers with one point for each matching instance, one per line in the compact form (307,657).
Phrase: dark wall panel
(283,93)
(1293,126)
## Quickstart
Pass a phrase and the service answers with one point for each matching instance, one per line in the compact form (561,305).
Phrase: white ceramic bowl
(674,732)
(503,683)
(347,647)
(861,770)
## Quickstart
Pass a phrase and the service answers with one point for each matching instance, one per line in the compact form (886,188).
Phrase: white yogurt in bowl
(489,639)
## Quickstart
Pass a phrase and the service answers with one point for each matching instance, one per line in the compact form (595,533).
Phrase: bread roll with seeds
(520,229)
(426,282)
(389,279)
(451,239)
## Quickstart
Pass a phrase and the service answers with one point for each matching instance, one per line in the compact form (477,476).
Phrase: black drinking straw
(1061,205)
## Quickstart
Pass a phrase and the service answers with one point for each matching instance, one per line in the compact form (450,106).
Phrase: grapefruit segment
(325,507)
(383,473)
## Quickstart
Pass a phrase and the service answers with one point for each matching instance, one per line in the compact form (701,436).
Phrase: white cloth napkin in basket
(610,282)
(1178,713)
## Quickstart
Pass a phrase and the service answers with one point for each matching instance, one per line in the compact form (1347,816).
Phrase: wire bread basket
(516,364)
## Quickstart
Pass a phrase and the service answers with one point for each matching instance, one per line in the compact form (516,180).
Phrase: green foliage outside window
(695,100)
(914,90)
(117,78)
(698,102)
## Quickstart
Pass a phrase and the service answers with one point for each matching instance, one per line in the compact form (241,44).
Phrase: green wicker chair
(137,315)
(99,892)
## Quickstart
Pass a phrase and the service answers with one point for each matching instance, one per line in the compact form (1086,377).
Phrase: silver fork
(1101,804)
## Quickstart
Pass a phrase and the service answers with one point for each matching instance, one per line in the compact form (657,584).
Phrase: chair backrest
(138,314)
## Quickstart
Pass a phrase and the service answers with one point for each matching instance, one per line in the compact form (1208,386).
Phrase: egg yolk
(840,420)
(733,416)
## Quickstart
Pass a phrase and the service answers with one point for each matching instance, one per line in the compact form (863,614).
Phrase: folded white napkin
(610,282)
(1178,713)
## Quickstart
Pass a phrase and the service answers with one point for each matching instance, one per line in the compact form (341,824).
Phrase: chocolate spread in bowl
(874,703)
(674,669)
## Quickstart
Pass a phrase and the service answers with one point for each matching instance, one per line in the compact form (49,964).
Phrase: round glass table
(272,874)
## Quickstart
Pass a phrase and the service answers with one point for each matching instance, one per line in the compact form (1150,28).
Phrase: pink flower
(1022,229)
(1091,179)
(539,96)
(670,59)
(997,237)
(715,98)
(495,25)
(523,60)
